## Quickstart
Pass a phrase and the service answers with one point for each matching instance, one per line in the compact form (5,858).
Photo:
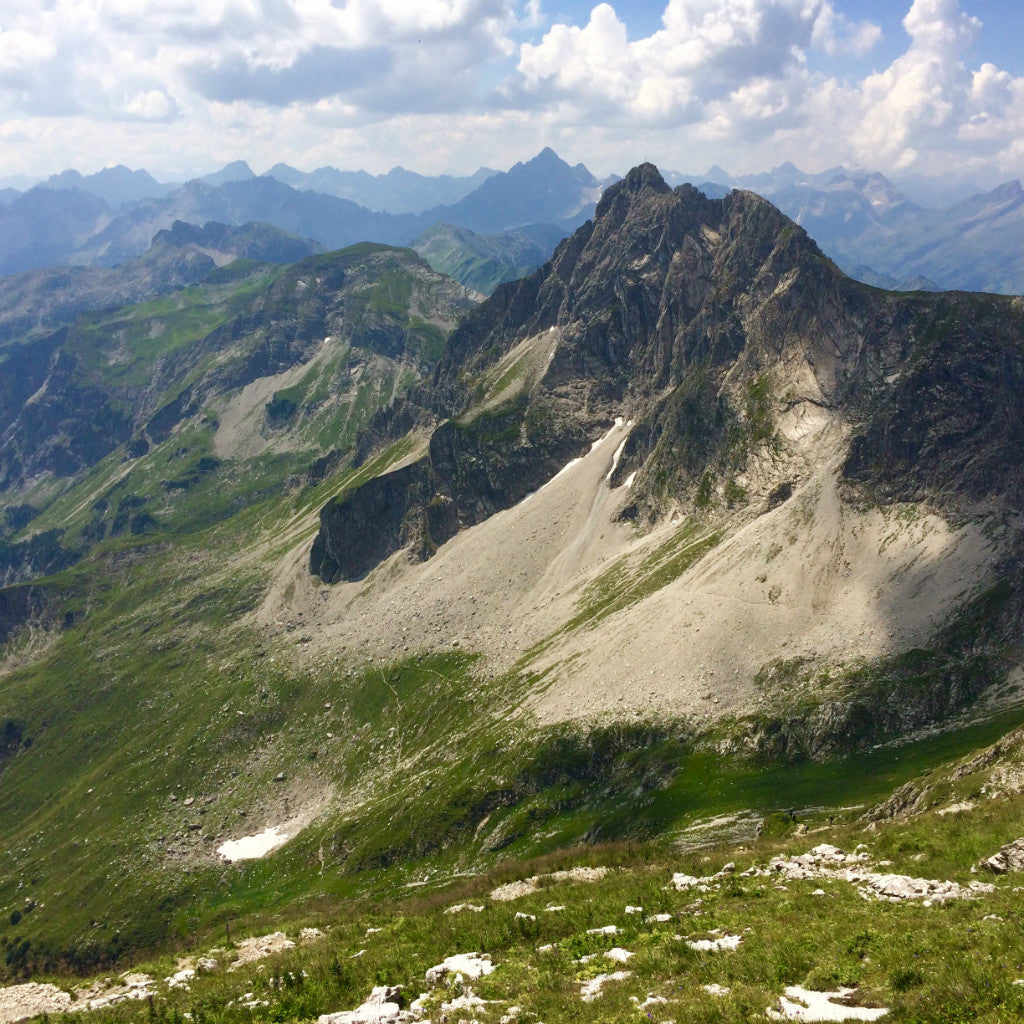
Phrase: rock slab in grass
(1010,858)
(470,965)
(20,1002)
(380,1007)
(805,1004)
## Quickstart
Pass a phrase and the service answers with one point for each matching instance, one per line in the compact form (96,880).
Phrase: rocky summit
(840,465)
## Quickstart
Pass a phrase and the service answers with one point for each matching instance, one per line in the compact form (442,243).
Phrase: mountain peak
(237,170)
(642,180)
(1008,190)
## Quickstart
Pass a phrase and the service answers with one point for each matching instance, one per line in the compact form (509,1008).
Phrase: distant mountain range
(77,221)
(861,219)
(878,235)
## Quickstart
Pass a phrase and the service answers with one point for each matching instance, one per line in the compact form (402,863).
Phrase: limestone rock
(470,965)
(19,1002)
(381,1007)
(1010,858)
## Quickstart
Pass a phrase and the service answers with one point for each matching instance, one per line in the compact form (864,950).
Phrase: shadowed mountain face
(703,322)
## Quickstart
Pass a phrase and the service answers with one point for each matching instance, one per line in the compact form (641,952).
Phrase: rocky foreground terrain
(789,927)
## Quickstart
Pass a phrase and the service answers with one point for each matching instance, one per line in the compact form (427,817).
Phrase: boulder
(381,1007)
(470,965)
(1010,858)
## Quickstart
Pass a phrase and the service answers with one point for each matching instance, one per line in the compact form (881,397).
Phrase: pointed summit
(237,170)
(540,191)
(641,181)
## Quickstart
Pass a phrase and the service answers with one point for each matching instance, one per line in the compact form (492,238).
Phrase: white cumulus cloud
(452,84)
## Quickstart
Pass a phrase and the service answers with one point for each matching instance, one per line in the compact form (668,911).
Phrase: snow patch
(619,450)
(575,462)
(252,847)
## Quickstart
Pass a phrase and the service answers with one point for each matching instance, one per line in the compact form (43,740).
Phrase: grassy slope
(950,962)
(162,690)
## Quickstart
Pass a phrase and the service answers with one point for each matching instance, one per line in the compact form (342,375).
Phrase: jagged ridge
(701,321)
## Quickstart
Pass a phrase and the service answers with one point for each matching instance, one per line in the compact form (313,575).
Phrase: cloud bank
(451,84)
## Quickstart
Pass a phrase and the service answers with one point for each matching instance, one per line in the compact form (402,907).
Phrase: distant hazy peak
(237,170)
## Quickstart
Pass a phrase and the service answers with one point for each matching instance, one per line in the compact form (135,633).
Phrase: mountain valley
(666,554)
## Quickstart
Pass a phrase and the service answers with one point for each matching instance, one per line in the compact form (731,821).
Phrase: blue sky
(181,87)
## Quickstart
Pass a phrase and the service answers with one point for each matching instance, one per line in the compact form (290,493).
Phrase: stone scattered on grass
(958,808)
(683,881)
(180,979)
(259,947)
(591,990)
(715,945)
(1010,858)
(827,861)
(514,890)
(805,1004)
(714,989)
(381,1007)
(608,929)
(469,1000)
(619,954)
(134,985)
(457,908)
(651,1000)
(470,965)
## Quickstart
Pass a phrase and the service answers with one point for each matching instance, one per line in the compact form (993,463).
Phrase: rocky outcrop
(473,469)
(381,1007)
(1010,858)
(20,1002)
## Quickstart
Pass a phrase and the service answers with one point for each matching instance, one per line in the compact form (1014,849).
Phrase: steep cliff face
(704,323)
(945,425)
(472,469)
